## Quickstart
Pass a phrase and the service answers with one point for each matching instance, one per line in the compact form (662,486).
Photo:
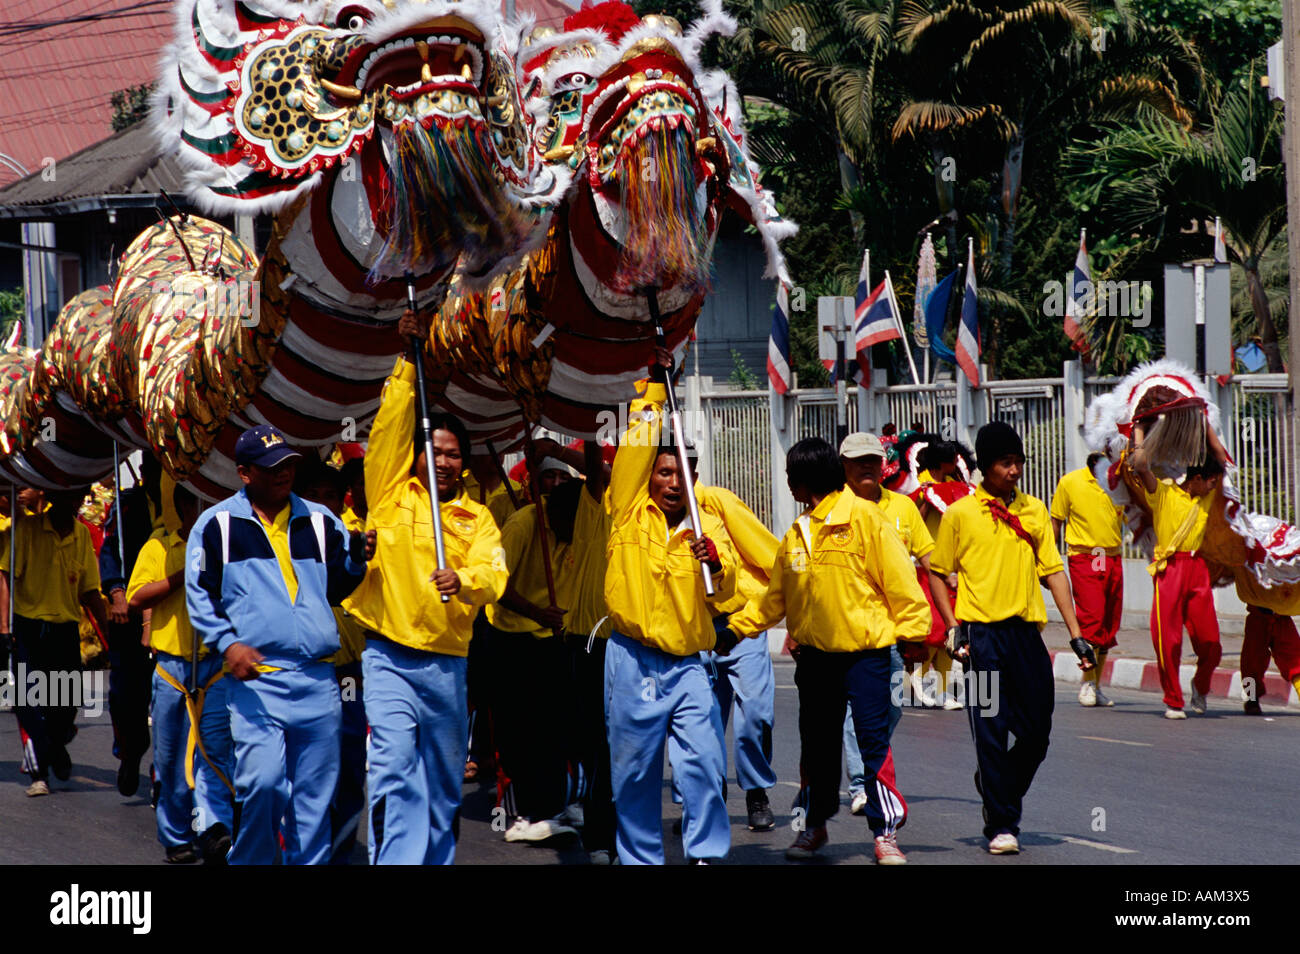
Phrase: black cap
(996,440)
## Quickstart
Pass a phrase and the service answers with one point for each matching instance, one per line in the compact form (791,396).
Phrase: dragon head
(654,140)
(418,104)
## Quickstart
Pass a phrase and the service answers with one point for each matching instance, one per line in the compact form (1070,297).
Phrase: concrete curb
(1144,675)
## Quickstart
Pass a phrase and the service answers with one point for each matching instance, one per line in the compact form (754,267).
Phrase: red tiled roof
(55,82)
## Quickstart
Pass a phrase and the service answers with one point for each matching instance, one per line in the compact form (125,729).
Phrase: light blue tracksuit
(744,676)
(182,814)
(416,703)
(285,723)
(650,694)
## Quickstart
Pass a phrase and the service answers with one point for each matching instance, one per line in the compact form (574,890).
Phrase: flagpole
(898,323)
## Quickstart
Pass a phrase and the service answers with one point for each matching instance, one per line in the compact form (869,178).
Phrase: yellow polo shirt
(523,549)
(902,513)
(1091,518)
(653,585)
(169,630)
(278,533)
(590,537)
(497,500)
(997,572)
(754,544)
(1170,506)
(843,581)
(54,571)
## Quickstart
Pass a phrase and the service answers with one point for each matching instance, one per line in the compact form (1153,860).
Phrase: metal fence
(736,433)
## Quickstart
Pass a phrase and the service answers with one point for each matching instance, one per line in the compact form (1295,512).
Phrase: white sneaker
(572,815)
(919,696)
(533,832)
(1103,699)
(1175,714)
(1197,704)
(951,704)
(1004,844)
(858,806)
(38,787)
(1088,694)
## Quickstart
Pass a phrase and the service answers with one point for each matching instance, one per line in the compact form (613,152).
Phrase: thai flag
(968,332)
(876,320)
(1220,247)
(778,342)
(1079,297)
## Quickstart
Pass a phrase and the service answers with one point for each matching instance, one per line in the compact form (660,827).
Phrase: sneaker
(1175,714)
(1088,694)
(1004,844)
(128,777)
(38,787)
(951,704)
(888,852)
(919,696)
(806,845)
(181,855)
(1197,704)
(539,831)
(1103,700)
(1252,708)
(601,857)
(760,813)
(858,804)
(572,816)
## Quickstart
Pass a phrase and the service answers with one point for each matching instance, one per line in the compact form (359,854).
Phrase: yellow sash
(194,706)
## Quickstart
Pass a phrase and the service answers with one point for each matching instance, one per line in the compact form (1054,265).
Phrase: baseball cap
(263,446)
(859,444)
(552,463)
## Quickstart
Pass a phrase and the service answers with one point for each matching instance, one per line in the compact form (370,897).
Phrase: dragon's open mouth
(435,57)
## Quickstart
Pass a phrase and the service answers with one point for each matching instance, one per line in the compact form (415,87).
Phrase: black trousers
(530,685)
(827,682)
(130,688)
(590,744)
(48,654)
(1009,691)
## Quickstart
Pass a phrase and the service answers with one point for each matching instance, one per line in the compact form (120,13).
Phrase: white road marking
(1098,738)
(1098,845)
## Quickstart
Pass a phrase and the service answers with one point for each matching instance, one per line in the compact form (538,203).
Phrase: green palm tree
(1029,74)
(1154,175)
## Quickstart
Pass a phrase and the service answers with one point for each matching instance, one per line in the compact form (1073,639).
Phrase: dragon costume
(385,138)
(657,152)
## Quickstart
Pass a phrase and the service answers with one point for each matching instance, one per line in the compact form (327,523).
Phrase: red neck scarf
(998,510)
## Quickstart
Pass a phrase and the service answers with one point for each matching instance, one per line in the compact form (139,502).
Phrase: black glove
(357,546)
(1083,649)
(727,641)
(956,640)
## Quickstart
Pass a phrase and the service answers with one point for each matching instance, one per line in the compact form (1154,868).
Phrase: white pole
(898,323)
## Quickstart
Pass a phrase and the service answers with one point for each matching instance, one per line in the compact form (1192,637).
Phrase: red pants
(1183,598)
(1268,634)
(1098,596)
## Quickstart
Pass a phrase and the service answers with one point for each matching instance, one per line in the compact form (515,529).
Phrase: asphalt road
(1120,786)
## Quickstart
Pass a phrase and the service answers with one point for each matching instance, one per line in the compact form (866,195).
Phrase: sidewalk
(1132,665)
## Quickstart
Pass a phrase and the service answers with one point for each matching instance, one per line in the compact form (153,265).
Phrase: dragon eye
(353,18)
(572,81)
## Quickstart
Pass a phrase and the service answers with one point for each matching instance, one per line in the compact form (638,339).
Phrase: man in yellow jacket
(845,584)
(656,685)
(414,660)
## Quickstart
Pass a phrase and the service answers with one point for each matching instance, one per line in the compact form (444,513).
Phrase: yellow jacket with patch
(843,581)
(653,585)
(396,598)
